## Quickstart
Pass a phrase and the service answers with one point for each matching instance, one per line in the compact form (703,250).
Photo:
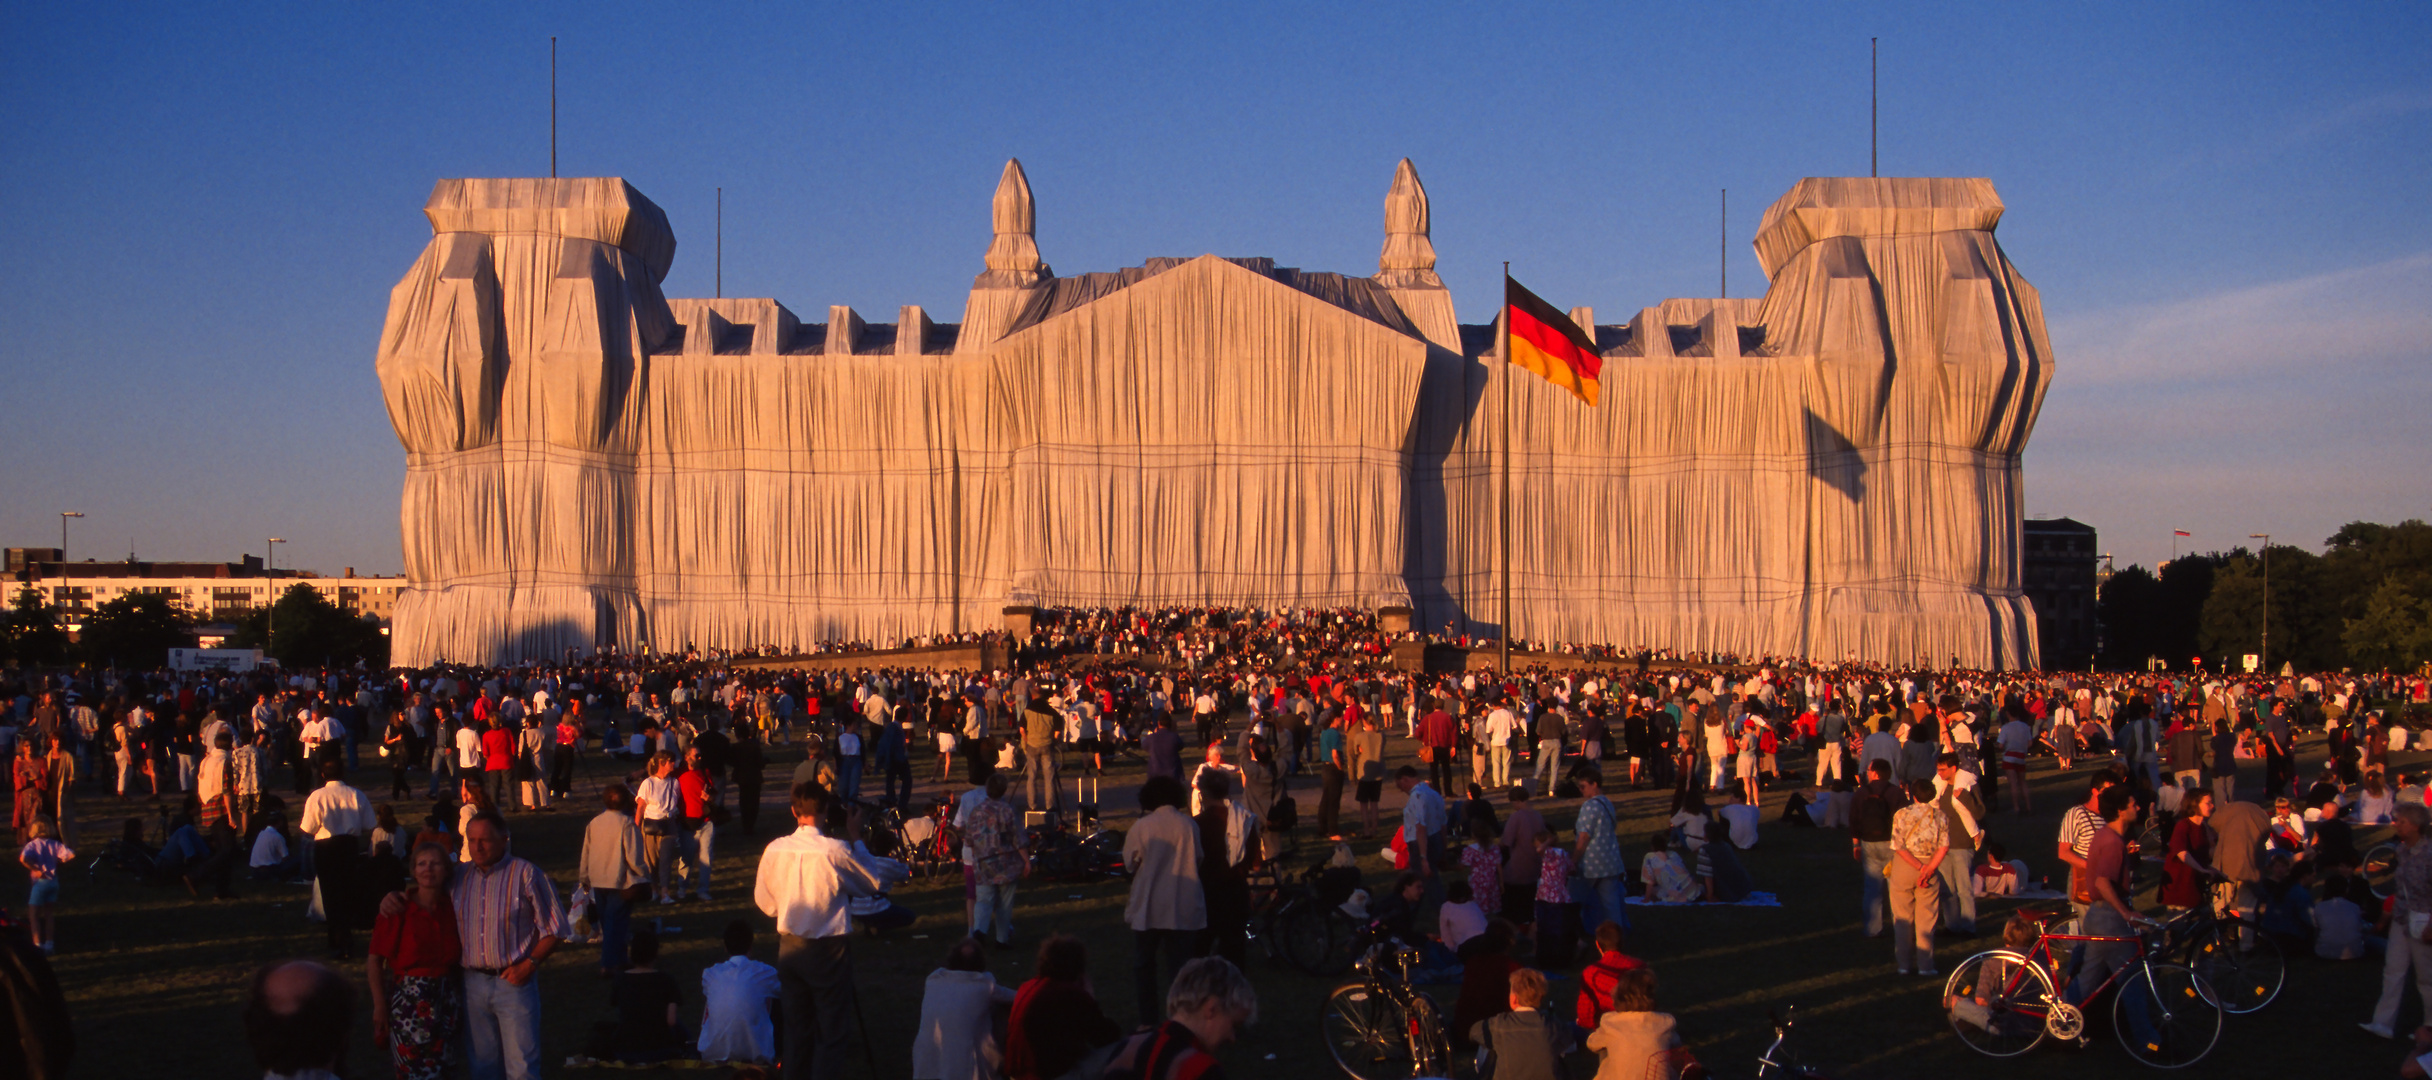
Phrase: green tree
(2395,631)
(2186,583)
(2130,607)
(2231,620)
(33,632)
(136,630)
(307,630)
(252,629)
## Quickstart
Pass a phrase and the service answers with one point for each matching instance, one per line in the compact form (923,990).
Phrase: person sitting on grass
(1995,985)
(1632,1041)
(1527,1043)
(647,1004)
(1996,875)
(1486,972)
(1667,878)
(272,859)
(1458,918)
(1056,1019)
(738,1000)
(1208,1005)
(956,1039)
(1597,980)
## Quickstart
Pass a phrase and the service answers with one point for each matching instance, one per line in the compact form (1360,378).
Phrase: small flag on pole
(2180,532)
(1547,342)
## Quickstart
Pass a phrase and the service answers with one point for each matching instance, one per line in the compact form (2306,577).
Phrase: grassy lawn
(156,977)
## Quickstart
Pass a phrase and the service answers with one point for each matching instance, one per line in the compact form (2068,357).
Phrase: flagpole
(1503,349)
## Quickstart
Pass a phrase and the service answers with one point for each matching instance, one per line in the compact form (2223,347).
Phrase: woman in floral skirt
(417,991)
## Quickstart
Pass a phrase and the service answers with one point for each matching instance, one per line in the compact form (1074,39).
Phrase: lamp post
(271,567)
(64,515)
(2267,598)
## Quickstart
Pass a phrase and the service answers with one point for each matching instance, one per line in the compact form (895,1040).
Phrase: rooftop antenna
(553,106)
(721,256)
(1724,247)
(1874,85)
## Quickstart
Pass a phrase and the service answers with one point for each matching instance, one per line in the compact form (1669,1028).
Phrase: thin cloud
(2269,142)
(2365,315)
(2287,408)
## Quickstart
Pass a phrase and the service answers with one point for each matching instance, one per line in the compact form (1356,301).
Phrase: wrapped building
(1830,472)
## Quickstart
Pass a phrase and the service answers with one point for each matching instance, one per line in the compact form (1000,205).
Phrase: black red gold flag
(1547,342)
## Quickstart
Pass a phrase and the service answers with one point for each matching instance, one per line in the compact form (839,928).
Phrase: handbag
(1427,754)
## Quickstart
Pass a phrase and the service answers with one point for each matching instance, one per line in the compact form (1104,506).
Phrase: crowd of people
(209,778)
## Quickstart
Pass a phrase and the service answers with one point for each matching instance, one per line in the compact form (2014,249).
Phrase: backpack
(1872,814)
(1161,1058)
(1284,814)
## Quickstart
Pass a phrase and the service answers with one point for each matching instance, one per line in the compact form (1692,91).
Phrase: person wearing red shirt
(1597,980)
(412,969)
(1056,1019)
(1436,733)
(700,794)
(498,764)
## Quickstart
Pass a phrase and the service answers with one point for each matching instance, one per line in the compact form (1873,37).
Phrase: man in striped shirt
(509,921)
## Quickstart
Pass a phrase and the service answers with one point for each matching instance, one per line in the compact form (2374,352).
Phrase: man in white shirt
(735,996)
(338,819)
(1499,724)
(804,882)
(468,751)
(318,730)
(271,859)
(1742,818)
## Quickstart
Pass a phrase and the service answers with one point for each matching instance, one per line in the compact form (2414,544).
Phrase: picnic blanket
(1754,899)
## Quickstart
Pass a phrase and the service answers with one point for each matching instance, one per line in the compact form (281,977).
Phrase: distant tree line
(2364,603)
(137,630)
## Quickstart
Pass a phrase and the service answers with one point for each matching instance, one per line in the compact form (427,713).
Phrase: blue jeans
(894,771)
(993,911)
(848,776)
(1604,904)
(700,847)
(2104,957)
(501,1028)
(1876,901)
(614,914)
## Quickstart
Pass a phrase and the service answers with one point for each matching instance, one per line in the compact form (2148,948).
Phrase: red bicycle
(2002,1003)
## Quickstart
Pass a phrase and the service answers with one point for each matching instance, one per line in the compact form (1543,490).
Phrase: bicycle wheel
(1430,1053)
(1997,1002)
(1344,943)
(1308,939)
(2166,1015)
(1367,1034)
(2381,869)
(2247,978)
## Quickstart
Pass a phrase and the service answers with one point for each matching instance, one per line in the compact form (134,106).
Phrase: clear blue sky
(205,206)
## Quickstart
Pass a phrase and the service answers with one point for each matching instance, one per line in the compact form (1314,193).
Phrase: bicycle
(2002,1004)
(1381,1027)
(2243,964)
(1777,1060)
(1293,921)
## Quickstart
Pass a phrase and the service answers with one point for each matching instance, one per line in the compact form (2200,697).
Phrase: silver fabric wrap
(1830,472)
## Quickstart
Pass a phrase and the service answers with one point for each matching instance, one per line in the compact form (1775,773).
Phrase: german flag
(1547,342)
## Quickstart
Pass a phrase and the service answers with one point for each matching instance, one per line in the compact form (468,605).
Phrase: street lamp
(271,567)
(64,515)
(2267,598)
